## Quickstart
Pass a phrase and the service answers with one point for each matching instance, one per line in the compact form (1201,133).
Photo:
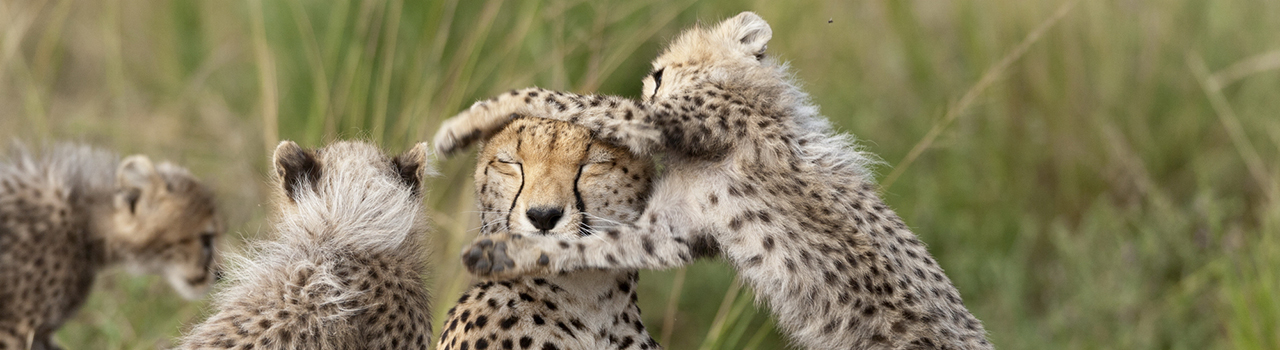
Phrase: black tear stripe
(511,210)
(577,196)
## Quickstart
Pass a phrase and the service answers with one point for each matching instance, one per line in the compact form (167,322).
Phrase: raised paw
(503,256)
(456,134)
(481,120)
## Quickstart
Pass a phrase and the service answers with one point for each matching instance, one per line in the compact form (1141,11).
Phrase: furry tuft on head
(350,194)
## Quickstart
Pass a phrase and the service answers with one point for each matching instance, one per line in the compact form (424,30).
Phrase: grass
(1097,177)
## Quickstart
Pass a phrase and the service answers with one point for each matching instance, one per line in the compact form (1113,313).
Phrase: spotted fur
(344,267)
(72,211)
(755,175)
(551,179)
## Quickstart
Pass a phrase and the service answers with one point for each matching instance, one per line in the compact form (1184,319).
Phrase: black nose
(544,218)
(217,274)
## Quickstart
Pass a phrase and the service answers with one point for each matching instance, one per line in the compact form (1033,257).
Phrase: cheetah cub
(72,211)
(753,174)
(549,178)
(344,268)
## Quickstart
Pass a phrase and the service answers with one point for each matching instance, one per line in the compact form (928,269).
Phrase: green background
(1091,174)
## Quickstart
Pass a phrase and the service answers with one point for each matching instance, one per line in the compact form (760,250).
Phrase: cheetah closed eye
(546,178)
(754,174)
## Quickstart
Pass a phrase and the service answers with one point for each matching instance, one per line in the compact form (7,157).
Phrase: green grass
(1112,186)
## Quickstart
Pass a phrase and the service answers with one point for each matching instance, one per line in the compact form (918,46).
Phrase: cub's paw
(478,122)
(456,134)
(502,256)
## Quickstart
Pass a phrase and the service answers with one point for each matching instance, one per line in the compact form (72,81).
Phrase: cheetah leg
(617,120)
(654,243)
(9,340)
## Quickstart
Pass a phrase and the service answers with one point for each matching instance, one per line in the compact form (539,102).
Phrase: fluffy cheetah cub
(547,178)
(344,268)
(754,173)
(72,211)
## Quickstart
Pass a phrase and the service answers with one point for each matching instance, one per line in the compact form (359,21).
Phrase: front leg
(617,120)
(654,243)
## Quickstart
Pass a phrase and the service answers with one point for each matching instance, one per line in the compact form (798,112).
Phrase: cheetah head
(165,222)
(350,194)
(540,176)
(731,52)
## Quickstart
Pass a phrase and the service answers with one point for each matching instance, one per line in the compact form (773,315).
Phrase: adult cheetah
(344,268)
(755,174)
(551,178)
(72,211)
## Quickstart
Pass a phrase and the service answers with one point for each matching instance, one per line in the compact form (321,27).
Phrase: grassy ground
(1092,174)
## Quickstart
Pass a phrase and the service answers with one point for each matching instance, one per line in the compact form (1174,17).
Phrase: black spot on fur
(704,245)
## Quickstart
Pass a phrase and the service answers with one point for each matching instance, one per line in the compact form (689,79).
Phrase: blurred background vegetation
(1091,174)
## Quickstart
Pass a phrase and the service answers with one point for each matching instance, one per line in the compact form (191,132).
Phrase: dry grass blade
(383,93)
(1244,68)
(970,96)
(1227,116)
(266,75)
(673,303)
(722,315)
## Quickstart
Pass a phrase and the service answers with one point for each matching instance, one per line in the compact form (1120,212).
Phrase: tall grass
(1110,184)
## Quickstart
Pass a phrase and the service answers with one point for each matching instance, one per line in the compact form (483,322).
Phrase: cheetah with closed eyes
(72,211)
(344,267)
(552,179)
(753,174)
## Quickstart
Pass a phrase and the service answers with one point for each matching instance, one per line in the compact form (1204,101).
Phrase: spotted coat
(754,175)
(72,211)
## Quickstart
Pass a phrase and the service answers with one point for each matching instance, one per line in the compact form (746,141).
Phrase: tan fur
(538,164)
(754,175)
(344,267)
(73,211)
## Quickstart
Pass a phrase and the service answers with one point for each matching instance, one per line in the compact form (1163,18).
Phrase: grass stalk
(266,76)
(673,306)
(1231,123)
(989,77)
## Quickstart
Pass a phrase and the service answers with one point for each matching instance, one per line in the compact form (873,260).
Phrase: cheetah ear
(749,30)
(296,167)
(135,176)
(413,165)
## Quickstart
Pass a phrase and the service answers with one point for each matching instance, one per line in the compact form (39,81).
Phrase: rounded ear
(750,31)
(295,167)
(135,176)
(413,165)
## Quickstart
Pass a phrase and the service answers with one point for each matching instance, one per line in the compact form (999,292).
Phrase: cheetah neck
(100,233)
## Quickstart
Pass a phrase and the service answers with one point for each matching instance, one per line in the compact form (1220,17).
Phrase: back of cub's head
(346,170)
(541,176)
(349,193)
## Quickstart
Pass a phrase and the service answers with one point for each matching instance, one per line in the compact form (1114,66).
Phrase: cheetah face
(539,176)
(733,49)
(165,222)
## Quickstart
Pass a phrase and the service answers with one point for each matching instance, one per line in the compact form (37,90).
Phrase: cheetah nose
(544,218)
(217,275)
